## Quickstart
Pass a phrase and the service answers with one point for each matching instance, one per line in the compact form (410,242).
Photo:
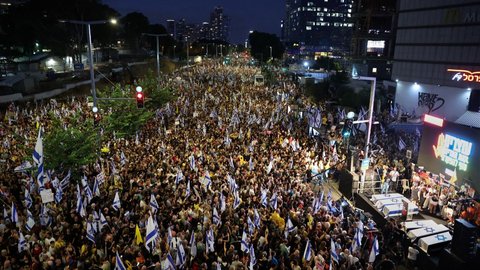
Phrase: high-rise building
(373,39)
(181,27)
(318,25)
(219,25)
(171,29)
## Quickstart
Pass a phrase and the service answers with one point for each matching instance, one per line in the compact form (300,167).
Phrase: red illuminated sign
(465,75)
(433,120)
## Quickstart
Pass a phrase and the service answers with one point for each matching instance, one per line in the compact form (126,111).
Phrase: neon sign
(465,75)
(453,151)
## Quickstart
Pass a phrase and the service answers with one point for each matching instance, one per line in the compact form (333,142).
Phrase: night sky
(245,15)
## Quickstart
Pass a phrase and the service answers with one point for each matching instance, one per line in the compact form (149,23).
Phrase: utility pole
(158,51)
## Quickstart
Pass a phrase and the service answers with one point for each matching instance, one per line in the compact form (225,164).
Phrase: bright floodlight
(138,88)
(305,64)
(113,21)
(95,109)
(350,115)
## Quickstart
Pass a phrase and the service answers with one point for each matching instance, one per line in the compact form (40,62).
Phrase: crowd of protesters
(222,171)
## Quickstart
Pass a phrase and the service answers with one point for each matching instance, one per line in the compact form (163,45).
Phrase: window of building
(325,9)
(308,27)
(374,70)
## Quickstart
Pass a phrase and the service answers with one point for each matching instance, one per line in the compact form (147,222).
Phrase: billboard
(452,150)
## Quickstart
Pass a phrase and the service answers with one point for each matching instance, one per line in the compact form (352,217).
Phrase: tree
(260,46)
(134,24)
(73,147)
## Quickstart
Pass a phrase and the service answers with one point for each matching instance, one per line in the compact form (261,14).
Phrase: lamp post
(158,53)
(370,119)
(186,40)
(271,57)
(90,52)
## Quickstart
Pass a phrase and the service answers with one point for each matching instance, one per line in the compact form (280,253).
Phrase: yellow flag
(38,125)
(138,236)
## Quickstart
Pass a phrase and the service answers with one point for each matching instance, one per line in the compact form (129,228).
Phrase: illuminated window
(323,24)
(374,70)
(308,27)
(325,9)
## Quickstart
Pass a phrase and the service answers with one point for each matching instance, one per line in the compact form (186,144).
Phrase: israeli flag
(333,251)
(58,195)
(153,203)
(30,221)
(152,234)
(22,244)
(244,243)
(14,214)
(170,237)
(253,260)
(316,205)
(123,159)
(321,197)
(187,193)
(192,162)
(28,199)
(251,166)
(374,251)
(210,241)
(251,226)
(45,219)
(178,177)
(181,256)
(38,158)
(232,165)
(401,144)
(116,202)
(103,221)
(90,232)
(208,179)
(216,218)
(307,254)
(169,263)
(66,180)
(236,201)
(256,218)
(118,263)
(264,199)
(273,201)
(270,166)
(289,227)
(193,245)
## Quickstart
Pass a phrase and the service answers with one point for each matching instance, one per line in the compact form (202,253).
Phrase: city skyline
(244,16)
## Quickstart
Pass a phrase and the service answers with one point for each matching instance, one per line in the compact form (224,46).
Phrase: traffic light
(96,119)
(140,97)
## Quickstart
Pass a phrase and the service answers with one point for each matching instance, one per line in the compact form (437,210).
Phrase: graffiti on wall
(430,101)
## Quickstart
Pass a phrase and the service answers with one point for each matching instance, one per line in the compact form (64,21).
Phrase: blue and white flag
(153,203)
(223,204)
(187,193)
(118,263)
(45,219)
(152,234)
(193,245)
(87,189)
(417,132)
(307,254)
(103,221)
(232,165)
(316,205)
(169,263)
(253,259)
(256,218)
(178,177)
(38,158)
(90,232)
(96,188)
(270,166)
(357,240)
(321,197)
(333,251)
(264,199)
(374,251)
(23,167)
(274,201)
(28,199)
(208,179)
(244,243)
(170,238)
(289,227)
(181,256)
(236,201)
(251,166)
(216,218)
(123,159)
(66,180)
(210,241)
(192,162)
(58,194)
(251,226)
(14,214)
(30,221)
(401,144)
(116,202)
(22,244)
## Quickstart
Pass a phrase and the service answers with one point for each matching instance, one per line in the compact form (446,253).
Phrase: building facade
(219,25)
(171,28)
(437,58)
(318,25)
(373,39)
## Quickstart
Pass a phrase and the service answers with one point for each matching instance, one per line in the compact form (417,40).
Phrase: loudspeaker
(474,101)
(345,184)
(464,239)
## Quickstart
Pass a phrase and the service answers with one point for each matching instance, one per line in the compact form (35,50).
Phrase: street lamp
(370,118)
(271,57)
(158,53)
(90,53)
(186,40)
(174,47)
